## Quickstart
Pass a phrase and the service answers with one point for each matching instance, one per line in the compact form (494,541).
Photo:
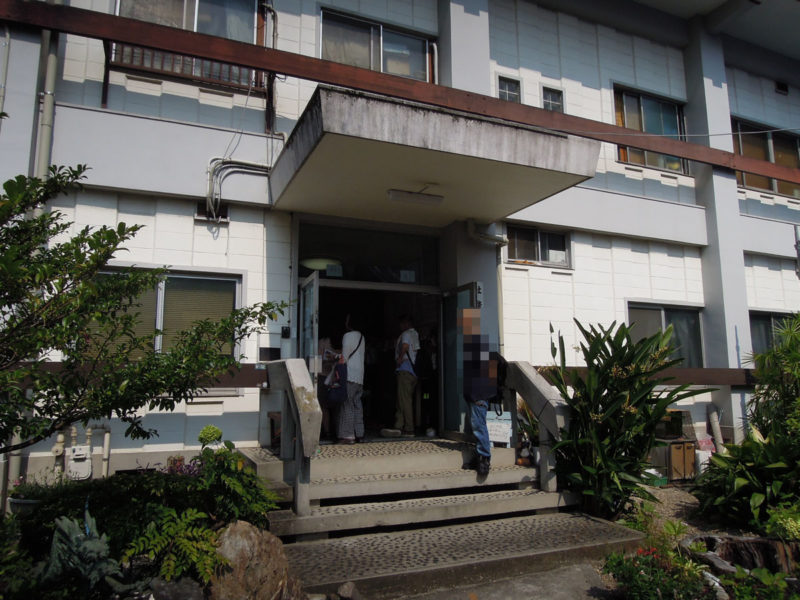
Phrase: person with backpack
(351,412)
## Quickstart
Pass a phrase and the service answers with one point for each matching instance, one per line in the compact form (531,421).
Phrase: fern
(181,543)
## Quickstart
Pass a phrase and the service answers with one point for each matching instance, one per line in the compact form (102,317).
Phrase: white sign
(499,427)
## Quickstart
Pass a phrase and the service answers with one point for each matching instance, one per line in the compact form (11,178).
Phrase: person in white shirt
(351,413)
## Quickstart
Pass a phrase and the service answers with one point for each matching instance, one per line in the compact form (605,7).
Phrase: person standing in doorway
(480,384)
(405,352)
(351,413)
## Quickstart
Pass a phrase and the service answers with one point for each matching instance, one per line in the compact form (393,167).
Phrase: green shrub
(15,563)
(784,522)
(649,575)
(179,545)
(614,410)
(229,490)
(775,407)
(209,435)
(758,584)
(744,483)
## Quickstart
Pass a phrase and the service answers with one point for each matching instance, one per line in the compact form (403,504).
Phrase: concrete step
(344,517)
(377,456)
(397,456)
(417,481)
(396,564)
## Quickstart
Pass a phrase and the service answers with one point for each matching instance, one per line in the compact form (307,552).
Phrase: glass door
(309,323)
(454,409)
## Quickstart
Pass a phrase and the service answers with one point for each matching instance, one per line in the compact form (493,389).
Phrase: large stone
(258,566)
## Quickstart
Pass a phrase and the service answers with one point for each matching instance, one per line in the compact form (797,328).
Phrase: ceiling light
(413,197)
(319,264)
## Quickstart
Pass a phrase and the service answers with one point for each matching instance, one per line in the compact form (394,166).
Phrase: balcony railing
(167,64)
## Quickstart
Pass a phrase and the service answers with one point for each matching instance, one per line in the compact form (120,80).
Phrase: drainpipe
(48,109)
(4,79)
(435,48)
(797,249)
(271,76)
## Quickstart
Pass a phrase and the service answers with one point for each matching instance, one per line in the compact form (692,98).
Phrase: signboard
(499,427)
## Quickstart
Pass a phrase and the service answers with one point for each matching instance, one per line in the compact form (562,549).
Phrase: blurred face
(469,321)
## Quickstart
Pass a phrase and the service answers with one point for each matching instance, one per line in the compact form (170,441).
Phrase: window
(508,89)
(232,19)
(762,330)
(179,301)
(553,100)
(372,46)
(648,319)
(754,142)
(526,244)
(649,115)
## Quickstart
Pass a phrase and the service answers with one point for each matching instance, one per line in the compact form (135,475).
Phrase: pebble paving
(396,553)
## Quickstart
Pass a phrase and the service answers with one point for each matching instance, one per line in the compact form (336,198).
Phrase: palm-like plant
(616,404)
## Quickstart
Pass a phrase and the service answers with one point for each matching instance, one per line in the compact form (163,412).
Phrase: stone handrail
(301,420)
(550,410)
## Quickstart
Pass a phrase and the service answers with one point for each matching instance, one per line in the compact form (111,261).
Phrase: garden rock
(180,589)
(258,567)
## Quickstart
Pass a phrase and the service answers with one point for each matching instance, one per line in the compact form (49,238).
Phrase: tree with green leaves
(71,349)
(615,405)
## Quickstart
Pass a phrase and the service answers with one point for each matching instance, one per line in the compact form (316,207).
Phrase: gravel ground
(677,504)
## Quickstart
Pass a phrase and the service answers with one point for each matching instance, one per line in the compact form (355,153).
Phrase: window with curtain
(370,45)
(649,319)
(180,300)
(649,115)
(762,329)
(756,141)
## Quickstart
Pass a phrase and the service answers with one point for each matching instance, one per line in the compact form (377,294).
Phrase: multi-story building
(628,161)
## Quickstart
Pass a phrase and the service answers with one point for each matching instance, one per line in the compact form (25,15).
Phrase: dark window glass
(647,320)
(553,100)
(533,245)
(509,89)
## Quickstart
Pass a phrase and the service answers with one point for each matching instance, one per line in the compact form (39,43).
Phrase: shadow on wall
(165,106)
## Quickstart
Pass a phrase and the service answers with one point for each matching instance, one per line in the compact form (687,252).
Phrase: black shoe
(483,466)
(471,464)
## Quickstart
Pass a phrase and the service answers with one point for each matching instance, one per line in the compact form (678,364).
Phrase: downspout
(270,75)
(106,446)
(45,140)
(4,80)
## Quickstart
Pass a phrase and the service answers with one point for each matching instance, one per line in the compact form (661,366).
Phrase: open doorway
(375,313)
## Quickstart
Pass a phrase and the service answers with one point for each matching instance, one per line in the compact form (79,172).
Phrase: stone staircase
(393,515)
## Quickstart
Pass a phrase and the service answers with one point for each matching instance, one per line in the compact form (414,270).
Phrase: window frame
(381,27)
(500,79)
(196,12)
(560,92)
(624,151)
(663,308)
(538,233)
(774,184)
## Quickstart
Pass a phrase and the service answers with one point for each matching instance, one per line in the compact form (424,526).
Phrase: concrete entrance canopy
(350,148)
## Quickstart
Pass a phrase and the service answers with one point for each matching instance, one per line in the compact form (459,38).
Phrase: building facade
(416,175)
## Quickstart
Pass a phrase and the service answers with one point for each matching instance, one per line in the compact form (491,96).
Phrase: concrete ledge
(399,483)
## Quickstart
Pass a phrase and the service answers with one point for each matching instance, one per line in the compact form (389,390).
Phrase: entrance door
(465,296)
(309,323)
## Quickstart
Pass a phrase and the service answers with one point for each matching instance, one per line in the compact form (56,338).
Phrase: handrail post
(302,418)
